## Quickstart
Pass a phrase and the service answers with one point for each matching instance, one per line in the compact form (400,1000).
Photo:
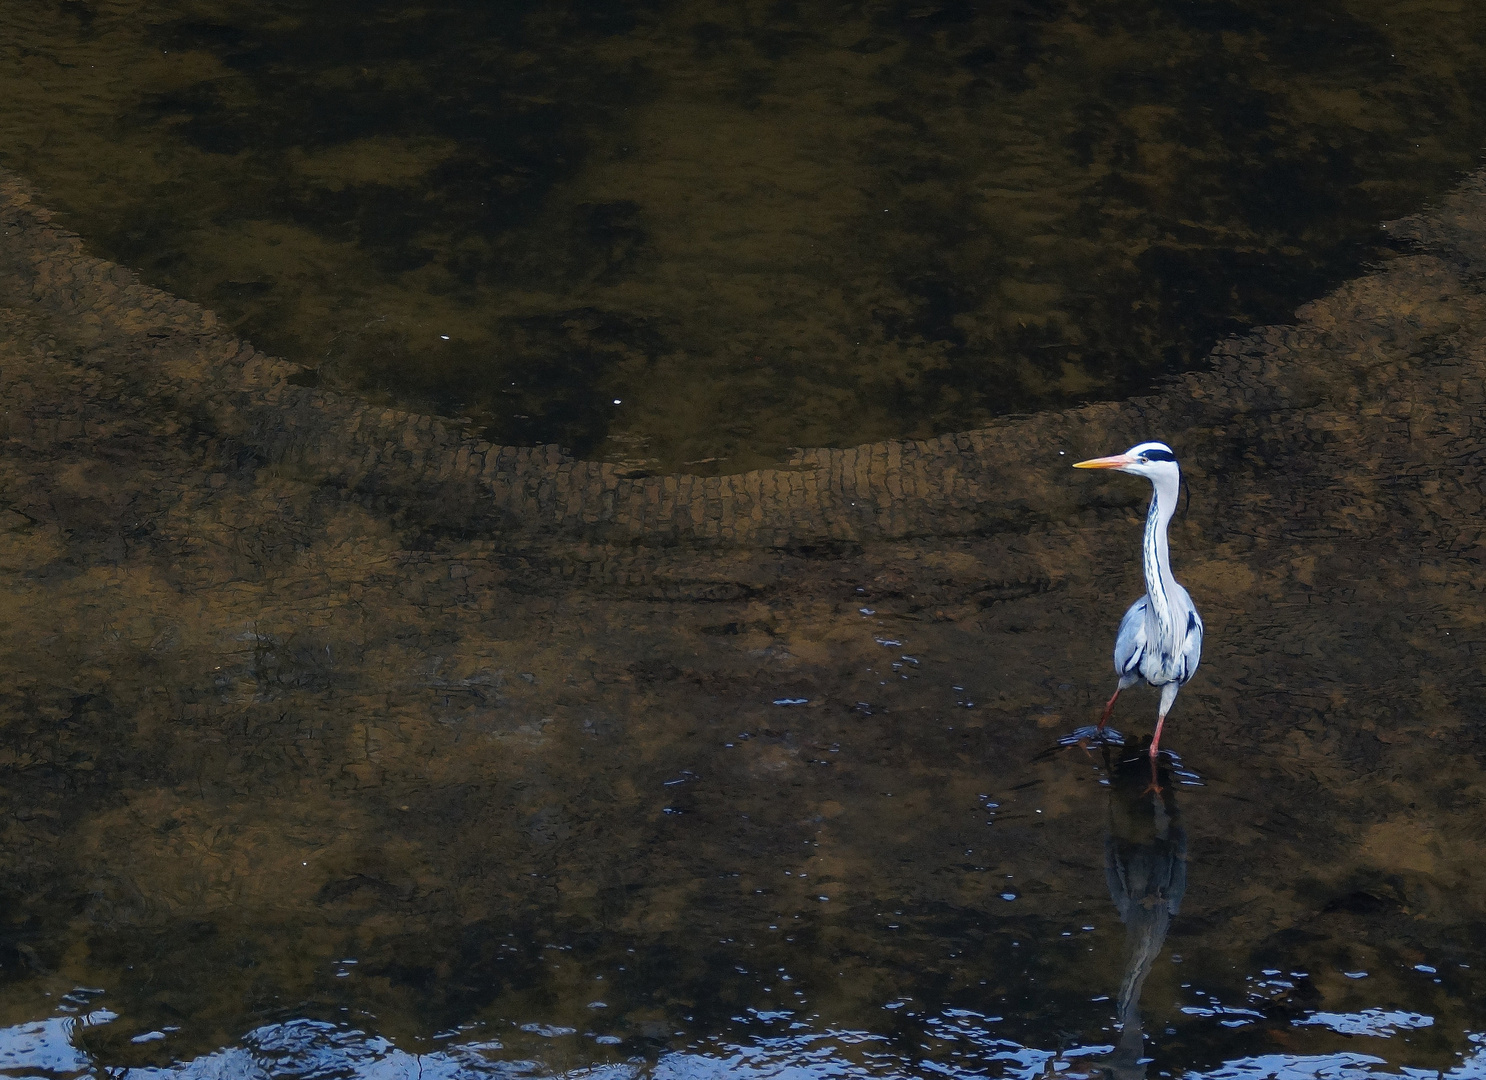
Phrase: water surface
(302,776)
(335,743)
(690,235)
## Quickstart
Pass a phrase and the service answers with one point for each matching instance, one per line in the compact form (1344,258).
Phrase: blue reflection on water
(1378,1022)
(968,1046)
(45,1046)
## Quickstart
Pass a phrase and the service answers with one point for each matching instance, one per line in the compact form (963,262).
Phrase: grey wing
(1191,644)
(1130,641)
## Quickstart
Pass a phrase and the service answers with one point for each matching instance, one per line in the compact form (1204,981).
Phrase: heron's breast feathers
(1161,653)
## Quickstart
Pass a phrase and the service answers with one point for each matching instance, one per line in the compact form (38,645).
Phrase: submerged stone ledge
(962,483)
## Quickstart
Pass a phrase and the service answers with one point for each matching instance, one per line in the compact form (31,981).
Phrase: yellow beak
(1114,462)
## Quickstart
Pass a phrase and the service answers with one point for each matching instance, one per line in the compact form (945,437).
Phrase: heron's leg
(1168,697)
(1155,785)
(1109,707)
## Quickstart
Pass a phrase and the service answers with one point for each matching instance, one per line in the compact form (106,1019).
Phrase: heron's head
(1153,460)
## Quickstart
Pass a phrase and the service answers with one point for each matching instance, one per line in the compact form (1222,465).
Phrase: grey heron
(1160,637)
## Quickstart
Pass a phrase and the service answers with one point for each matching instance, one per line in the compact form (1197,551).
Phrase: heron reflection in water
(1160,637)
(1145,866)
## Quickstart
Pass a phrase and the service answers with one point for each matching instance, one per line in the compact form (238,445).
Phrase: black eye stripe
(1159,455)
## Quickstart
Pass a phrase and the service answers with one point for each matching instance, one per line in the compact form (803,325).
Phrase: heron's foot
(1092,736)
(1154,787)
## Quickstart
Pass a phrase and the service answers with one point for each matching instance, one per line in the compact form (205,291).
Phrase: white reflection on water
(1288,1066)
(1379,1022)
(307,1049)
(45,1046)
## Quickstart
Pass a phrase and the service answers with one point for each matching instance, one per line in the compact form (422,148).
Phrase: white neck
(1160,586)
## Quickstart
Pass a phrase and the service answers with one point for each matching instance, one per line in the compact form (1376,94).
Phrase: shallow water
(306,773)
(681,234)
(336,742)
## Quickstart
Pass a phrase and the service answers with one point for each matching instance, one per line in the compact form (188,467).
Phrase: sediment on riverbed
(955,484)
(281,661)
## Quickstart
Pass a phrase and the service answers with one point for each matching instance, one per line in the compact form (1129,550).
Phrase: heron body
(1160,637)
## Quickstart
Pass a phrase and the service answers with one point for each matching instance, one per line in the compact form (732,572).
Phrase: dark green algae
(690,235)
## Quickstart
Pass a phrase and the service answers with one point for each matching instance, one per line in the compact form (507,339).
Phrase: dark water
(303,776)
(685,234)
(296,780)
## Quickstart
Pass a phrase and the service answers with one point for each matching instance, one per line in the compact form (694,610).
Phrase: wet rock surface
(293,680)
